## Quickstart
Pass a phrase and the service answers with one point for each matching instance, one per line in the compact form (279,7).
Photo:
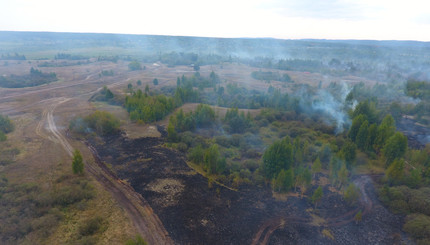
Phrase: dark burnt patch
(193,212)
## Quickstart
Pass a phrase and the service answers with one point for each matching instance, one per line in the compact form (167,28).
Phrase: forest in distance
(226,141)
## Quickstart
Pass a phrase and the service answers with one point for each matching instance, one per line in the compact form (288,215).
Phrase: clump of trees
(106,73)
(105,94)
(100,122)
(147,108)
(237,122)
(65,56)
(271,76)
(15,56)
(203,116)
(134,66)
(34,78)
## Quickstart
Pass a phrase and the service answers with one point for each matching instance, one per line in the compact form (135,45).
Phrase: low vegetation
(31,213)
(271,76)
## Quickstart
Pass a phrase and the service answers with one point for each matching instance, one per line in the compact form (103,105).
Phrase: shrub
(91,226)
(6,125)
(101,122)
(418,225)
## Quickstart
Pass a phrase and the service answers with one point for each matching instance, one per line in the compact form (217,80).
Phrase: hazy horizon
(332,20)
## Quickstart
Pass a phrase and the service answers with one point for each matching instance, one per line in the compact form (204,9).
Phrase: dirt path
(270,226)
(144,219)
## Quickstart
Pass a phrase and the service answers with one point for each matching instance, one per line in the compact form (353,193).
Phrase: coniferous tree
(316,197)
(395,147)
(316,166)
(77,163)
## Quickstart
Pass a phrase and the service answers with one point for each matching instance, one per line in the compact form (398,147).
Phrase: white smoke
(334,108)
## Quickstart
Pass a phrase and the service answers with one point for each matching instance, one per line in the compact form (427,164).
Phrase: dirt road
(146,222)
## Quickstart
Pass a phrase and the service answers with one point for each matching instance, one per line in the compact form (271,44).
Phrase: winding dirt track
(144,219)
(271,225)
(146,222)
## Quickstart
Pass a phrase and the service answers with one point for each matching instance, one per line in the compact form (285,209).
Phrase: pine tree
(362,135)
(358,217)
(77,163)
(395,147)
(316,197)
(316,166)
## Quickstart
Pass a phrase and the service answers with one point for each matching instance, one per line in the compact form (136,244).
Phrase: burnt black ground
(193,213)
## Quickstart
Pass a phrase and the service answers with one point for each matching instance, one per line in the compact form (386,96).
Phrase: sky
(284,19)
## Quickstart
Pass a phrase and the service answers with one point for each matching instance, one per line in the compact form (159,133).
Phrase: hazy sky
(289,19)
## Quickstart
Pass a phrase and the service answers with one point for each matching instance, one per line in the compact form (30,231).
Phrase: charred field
(195,211)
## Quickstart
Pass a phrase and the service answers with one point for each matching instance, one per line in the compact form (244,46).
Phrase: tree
(171,132)
(303,179)
(342,176)
(351,194)
(395,147)
(277,157)
(134,65)
(361,138)
(139,82)
(386,129)
(129,86)
(146,89)
(6,125)
(358,217)
(284,180)
(204,115)
(349,152)
(395,172)
(316,166)
(108,95)
(211,158)
(355,127)
(77,163)
(316,197)
(371,137)
(367,109)
(155,81)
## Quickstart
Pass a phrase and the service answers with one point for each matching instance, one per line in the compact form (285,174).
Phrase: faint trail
(272,225)
(53,128)
(140,213)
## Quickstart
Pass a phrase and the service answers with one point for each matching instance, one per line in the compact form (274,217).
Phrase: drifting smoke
(333,109)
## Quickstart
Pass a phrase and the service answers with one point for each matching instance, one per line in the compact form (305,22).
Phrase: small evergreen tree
(358,217)
(316,166)
(351,194)
(77,163)
(316,197)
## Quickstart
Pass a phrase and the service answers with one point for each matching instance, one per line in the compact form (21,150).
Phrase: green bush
(101,122)
(418,225)
(138,240)
(91,226)
(6,125)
